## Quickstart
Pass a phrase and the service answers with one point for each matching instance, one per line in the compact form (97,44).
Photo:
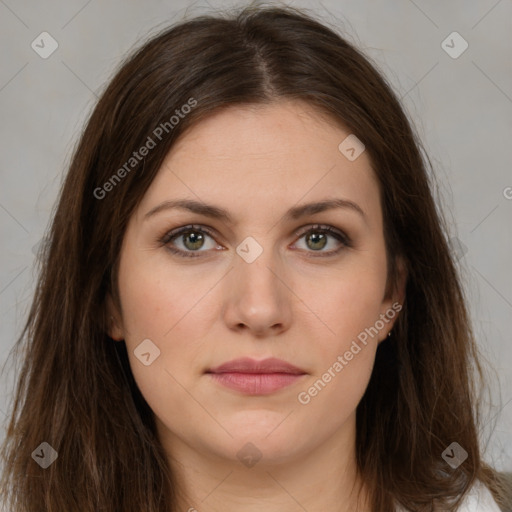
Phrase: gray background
(461,108)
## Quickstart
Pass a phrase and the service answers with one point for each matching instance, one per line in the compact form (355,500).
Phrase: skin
(200,312)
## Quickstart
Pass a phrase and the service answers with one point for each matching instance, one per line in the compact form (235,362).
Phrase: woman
(247,300)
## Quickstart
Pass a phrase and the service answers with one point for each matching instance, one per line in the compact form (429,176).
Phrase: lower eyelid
(184,254)
(343,245)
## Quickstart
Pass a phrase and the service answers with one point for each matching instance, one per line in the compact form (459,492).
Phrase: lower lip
(256,383)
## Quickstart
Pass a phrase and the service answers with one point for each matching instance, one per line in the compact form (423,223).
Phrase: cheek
(345,355)
(348,350)
(163,308)
(157,302)
(174,310)
(348,303)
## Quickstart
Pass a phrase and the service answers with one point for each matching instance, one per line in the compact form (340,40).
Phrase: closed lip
(265,366)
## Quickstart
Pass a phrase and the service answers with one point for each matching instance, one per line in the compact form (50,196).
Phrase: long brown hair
(76,390)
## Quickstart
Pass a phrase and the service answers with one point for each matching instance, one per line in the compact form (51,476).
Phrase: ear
(115,325)
(401,281)
(396,297)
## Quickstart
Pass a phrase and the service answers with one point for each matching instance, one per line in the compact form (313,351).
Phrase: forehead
(258,157)
(267,131)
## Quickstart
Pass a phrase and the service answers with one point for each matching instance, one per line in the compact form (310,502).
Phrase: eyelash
(317,228)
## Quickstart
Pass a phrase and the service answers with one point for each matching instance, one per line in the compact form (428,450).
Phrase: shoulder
(478,499)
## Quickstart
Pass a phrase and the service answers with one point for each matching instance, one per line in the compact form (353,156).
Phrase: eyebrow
(293,213)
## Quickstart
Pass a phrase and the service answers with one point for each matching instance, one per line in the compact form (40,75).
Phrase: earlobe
(115,329)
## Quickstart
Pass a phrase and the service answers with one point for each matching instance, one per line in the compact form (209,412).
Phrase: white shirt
(478,499)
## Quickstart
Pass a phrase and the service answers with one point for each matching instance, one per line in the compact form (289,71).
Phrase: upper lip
(248,365)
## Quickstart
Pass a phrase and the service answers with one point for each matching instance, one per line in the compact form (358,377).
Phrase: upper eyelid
(311,227)
(169,234)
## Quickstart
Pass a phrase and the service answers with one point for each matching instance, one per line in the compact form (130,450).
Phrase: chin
(260,424)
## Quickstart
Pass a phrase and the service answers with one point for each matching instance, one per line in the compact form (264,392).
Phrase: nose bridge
(259,299)
(256,266)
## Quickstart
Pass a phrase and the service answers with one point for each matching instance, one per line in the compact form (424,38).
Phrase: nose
(257,296)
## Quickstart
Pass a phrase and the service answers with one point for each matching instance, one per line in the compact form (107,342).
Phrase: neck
(322,477)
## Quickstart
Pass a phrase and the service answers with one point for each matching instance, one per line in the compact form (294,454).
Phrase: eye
(317,238)
(192,239)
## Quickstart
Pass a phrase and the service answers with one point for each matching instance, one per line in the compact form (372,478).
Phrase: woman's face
(256,285)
